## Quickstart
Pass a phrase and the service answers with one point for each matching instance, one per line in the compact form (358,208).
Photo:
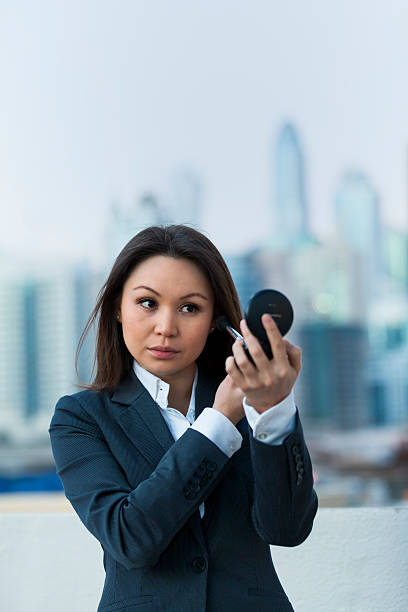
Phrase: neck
(180,389)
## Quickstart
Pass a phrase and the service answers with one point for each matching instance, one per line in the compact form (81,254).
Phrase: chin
(160,366)
(163,368)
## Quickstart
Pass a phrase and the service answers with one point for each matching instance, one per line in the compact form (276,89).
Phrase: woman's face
(166,303)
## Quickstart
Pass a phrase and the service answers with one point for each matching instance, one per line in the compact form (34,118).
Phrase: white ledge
(355,560)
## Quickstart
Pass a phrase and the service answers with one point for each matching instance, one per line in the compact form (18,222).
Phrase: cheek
(199,336)
(131,315)
(132,326)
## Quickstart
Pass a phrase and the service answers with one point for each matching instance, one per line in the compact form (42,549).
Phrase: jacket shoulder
(82,407)
(84,398)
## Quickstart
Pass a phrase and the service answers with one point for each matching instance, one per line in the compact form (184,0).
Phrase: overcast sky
(103,100)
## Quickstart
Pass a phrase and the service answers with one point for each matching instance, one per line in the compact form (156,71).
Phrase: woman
(184,461)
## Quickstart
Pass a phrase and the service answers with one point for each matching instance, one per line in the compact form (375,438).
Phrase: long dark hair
(112,358)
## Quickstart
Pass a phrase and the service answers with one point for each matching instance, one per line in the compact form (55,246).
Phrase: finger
(241,359)
(275,339)
(232,370)
(294,355)
(254,347)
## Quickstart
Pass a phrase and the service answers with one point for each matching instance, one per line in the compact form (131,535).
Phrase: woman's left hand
(269,381)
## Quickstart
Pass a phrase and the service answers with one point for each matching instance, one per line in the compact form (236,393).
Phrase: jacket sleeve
(284,503)
(133,525)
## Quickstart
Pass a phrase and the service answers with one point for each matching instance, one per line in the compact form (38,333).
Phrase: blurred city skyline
(350,296)
(278,130)
(101,106)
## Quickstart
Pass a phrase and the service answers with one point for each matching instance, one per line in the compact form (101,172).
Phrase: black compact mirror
(268,301)
(274,303)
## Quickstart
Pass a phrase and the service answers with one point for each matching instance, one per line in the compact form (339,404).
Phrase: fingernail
(267,316)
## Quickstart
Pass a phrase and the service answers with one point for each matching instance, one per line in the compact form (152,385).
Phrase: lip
(163,352)
(163,349)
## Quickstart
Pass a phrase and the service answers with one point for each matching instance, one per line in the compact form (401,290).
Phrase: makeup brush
(223,324)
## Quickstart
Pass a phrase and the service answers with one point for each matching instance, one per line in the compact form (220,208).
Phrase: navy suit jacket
(138,492)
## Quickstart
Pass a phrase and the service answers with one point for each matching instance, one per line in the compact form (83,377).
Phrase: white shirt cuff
(273,425)
(219,429)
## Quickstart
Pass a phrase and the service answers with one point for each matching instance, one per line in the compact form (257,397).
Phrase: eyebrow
(183,297)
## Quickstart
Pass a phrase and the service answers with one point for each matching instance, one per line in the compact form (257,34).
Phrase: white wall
(355,560)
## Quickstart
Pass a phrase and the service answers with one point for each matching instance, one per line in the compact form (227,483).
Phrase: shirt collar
(159,389)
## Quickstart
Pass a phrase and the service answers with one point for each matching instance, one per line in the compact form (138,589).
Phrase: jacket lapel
(142,420)
(146,427)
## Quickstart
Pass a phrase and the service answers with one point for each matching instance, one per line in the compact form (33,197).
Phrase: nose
(166,323)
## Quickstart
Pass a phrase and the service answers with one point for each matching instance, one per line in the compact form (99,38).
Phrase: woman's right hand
(228,400)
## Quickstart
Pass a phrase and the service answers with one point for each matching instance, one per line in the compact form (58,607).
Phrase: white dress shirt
(270,427)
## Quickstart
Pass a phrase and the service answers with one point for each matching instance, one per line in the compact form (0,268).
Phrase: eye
(144,301)
(192,307)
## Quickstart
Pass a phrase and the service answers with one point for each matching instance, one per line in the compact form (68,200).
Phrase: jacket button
(298,460)
(188,493)
(211,466)
(198,564)
(201,470)
(204,479)
(195,485)
(295,450)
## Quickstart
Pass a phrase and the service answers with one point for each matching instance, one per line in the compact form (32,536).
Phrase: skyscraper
(13,354)
(358,220)
(396,256)
(290,206)
(43,310)
(331,387)
(246,276)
